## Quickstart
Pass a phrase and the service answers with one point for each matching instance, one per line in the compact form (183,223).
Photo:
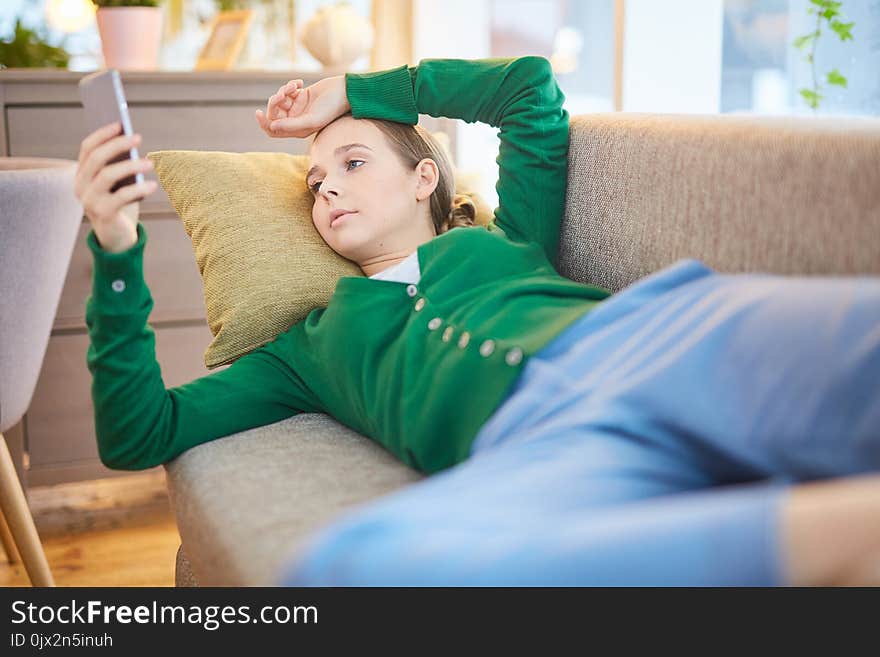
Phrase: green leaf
(809,58)
(827,4)
(811,97)
(803,41)
(834,77)
(844,30)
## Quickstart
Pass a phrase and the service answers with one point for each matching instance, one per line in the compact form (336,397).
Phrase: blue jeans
(653,442)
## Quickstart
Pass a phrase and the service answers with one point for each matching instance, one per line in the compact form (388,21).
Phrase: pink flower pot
(130,37)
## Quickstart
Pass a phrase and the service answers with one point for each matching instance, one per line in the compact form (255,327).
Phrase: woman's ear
(428,177)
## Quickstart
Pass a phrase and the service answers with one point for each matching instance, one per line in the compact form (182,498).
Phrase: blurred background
(195,71)
(702,56)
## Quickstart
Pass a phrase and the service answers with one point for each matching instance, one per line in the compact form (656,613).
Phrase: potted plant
(131,32)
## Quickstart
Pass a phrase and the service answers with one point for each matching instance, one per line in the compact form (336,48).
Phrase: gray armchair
(39,220)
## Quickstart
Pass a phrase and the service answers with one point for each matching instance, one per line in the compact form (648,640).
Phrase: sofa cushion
(243,503)
(742,193)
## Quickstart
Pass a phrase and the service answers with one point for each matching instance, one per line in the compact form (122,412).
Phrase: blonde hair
(413,143)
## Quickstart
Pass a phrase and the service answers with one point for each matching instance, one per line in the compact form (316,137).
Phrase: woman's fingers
(277,101)
(269,123)
(264,123)
(112,173)
(113,203)
(130,193)
(99,156)
(98,137)
(102,206)
(293,126)
(286,104)
(274,100)
(272,104)
(292,86)
(267,127)
(89,144)
(270,107)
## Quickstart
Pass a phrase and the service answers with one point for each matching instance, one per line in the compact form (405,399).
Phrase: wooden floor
(118,531)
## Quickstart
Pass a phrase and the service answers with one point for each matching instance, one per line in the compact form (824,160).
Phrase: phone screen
(103,101)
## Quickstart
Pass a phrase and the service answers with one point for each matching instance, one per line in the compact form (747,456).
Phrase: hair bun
(462,213)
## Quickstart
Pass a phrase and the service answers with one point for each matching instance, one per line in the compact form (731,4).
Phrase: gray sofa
(741,193)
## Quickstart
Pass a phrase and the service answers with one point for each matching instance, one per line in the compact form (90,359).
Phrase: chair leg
(14,506)
(9,548)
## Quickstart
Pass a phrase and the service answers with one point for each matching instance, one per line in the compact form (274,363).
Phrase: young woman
(694,428)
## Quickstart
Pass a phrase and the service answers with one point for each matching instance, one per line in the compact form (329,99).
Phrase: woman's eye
(315,185)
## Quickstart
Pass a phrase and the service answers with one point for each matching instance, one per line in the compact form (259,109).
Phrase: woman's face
(353,168)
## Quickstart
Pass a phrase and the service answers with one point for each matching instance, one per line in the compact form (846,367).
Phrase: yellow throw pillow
(264,266)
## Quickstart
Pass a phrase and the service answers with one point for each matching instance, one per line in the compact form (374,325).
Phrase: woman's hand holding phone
(113,215)
(294,111)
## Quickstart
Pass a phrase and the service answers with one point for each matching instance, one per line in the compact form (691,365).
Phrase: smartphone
(103,101)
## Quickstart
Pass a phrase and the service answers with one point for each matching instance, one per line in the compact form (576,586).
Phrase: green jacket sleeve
(519,96)
(139,424)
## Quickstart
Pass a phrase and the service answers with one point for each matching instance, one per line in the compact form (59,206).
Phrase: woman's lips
(340,218)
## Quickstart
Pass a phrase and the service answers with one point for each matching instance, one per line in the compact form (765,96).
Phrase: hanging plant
(828,12)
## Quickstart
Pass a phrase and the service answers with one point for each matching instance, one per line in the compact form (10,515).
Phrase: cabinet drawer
(60,420)
(170,270)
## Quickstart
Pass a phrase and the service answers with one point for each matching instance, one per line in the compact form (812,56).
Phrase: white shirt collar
(405,271)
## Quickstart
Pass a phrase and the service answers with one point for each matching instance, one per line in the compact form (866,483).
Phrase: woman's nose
(327,189)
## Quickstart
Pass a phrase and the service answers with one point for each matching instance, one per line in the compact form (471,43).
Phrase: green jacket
(428,363)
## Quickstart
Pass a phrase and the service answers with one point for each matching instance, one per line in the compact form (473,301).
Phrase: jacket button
(412,290)
(463,340)
(447,334)
(420,304)
(118,285)
(487,347)
(514,356)
(434,324)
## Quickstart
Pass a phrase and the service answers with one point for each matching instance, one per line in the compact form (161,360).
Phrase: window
(763,72)
(577,38)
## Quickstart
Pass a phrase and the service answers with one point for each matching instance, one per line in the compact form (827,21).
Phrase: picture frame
(229,30)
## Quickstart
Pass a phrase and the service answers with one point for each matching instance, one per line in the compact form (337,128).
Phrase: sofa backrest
(790,195)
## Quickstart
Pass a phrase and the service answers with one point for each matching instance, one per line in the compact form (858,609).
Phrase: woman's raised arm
(518,95)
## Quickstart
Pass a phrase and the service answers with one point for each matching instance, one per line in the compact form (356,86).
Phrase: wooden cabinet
(42,117)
